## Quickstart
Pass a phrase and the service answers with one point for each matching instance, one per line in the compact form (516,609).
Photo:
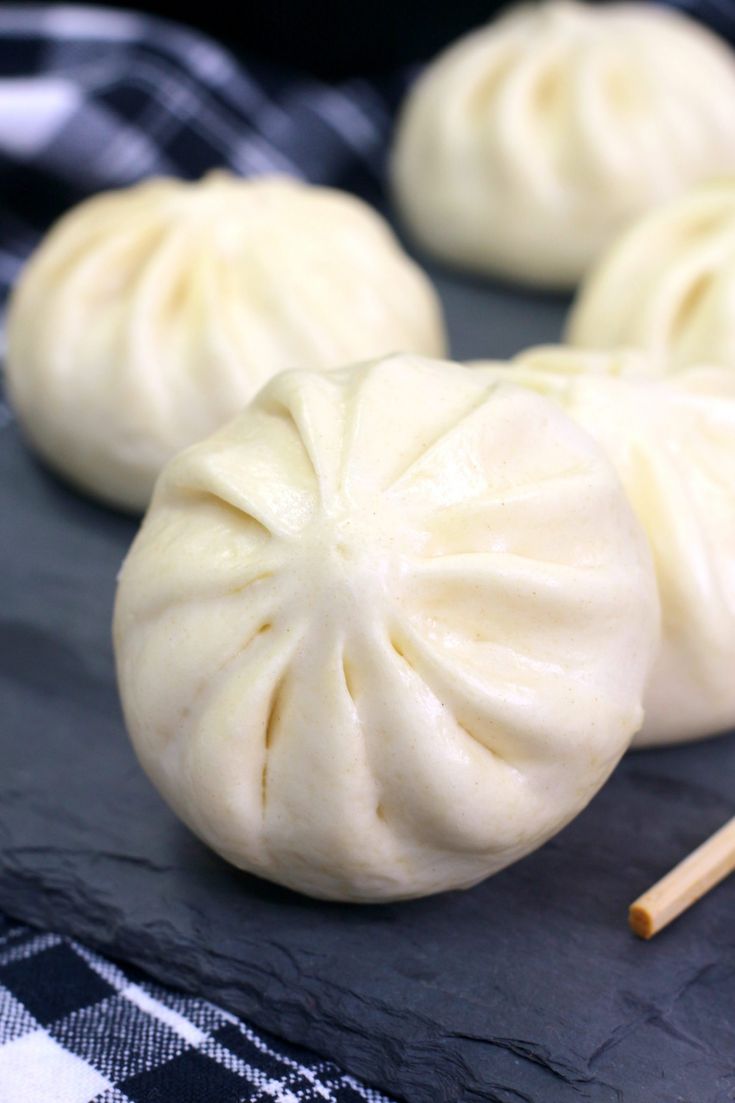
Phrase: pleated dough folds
(149,316)
(529,144)
(387,631)
(672,440)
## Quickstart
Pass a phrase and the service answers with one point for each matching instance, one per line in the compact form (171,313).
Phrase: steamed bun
(527,146)
(668,284)
(387,631)
(672,441)
(150,316)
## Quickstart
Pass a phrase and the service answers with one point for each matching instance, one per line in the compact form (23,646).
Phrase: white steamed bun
(149,316)
(527,146)
(668,284)
(387,631)
(672,440)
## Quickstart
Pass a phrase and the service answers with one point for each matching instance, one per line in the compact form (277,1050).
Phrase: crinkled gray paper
(527,989)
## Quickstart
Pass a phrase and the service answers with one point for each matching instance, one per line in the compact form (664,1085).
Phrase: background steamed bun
(387,631)
(672,441)
(527,146)
(668,284)
(149,316)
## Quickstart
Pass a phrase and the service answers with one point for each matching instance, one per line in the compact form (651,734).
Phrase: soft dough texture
(387,631)
(672,441)
(527,146)
(668,284)
(148,317)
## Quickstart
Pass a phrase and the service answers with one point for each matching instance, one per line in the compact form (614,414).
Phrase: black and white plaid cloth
(93,99)
(76,1028)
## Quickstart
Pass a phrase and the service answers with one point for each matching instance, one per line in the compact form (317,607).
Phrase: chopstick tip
(640,921)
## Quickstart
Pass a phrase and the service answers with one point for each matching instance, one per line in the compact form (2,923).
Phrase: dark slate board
(527,989)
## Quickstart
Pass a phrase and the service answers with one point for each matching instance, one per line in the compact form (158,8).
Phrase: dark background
(331,38)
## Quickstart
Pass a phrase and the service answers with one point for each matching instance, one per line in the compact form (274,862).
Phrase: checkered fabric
(74,1028)
(93,99)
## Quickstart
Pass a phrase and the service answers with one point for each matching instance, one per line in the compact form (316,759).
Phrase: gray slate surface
(527,989)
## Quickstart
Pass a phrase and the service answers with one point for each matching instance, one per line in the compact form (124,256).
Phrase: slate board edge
(289,1013)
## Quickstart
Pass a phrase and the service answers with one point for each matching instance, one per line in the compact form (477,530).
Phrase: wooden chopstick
(704,868)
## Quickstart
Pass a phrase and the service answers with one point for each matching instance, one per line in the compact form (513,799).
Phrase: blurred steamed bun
(527,146)
(668,284)
(150,316)
(387,631)
(672,440)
